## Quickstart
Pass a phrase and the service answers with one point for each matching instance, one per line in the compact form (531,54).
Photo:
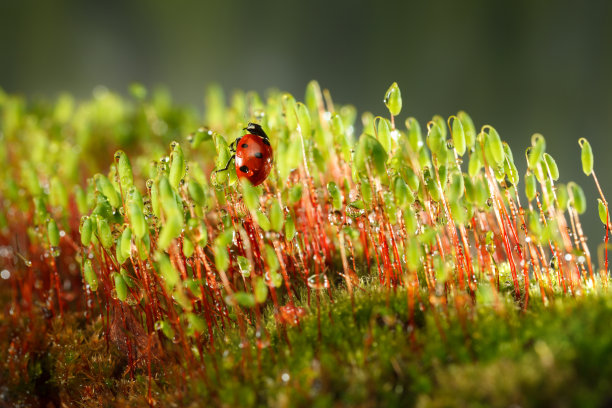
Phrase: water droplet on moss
(318,281)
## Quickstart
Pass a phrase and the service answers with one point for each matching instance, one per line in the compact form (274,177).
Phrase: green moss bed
(381,263)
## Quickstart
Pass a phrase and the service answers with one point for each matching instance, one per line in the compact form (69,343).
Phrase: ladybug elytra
(252,155)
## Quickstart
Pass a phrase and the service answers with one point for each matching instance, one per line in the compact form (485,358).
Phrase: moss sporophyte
(177,267)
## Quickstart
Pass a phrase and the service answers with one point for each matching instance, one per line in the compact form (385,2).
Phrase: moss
(364,271)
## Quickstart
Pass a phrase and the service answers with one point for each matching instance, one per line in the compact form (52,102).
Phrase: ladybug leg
(227,165)
(232,145)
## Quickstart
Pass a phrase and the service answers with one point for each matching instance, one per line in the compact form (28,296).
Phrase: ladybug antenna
(256,129)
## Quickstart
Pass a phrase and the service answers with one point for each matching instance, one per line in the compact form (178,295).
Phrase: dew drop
(318,281)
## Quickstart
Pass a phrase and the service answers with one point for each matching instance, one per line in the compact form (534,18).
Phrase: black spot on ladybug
(258,155)
(244,145)
(244,169)
(266,142)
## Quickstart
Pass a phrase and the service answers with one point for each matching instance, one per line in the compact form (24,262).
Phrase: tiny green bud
(260,290)
(562,197)
(393,99)
(552,166)
(172,228)
(578,198)
(126,243)
(303,117)
(124,168)
(90,276)
(383,134)
(603,211)
(86,229)
(104,233)
(271,259)
(196,192)
(276,217)
(137,220)
(586,156)
(120,287)
(414,134)
(494,145)
(530,186)
(177,166)
(188,247)
(244,299)
(456,187)
(262,220)
(458,136)
(335,195)
(53,233)
(250,195)
(289,228)
(538,146)
(167,271)
(107,188)
(295,194)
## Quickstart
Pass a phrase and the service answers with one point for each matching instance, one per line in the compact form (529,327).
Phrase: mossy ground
(367,270)
(554,355)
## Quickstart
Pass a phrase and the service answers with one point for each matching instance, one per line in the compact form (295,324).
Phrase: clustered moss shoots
(417,238)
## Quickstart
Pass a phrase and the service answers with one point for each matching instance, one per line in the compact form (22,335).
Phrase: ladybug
(252,155)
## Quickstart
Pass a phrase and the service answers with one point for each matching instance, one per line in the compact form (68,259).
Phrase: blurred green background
(521,66)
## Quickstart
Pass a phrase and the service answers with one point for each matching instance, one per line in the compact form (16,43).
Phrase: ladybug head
(256,129)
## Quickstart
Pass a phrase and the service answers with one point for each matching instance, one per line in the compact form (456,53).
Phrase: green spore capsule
(53,233)
(530,186)
(456,187)
(188,248)
(167,271)
(177,166)
(552,166)
(166,328)
(250,195)
(578,198)
(468,128)
(172,228)
(90,276)
(262,220)
(335,195)
(137,220)
(383,134)
(58,196)
(124,169)
(603,211)
(260,290)
(81,200)
(393,99)
(120,287)
(415,138)
(303,117)
(109,191)
(276,217)
(586,155)
(85,230)
(369,150)
(295,194)
(538,146)
(436,141)
(562,197)
(196,192)
(494,147)
(290,110)
(126,243)
(458,136)
(155,199)
(475,163)
(104,233)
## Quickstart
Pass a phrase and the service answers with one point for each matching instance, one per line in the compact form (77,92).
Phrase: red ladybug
(253,155)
